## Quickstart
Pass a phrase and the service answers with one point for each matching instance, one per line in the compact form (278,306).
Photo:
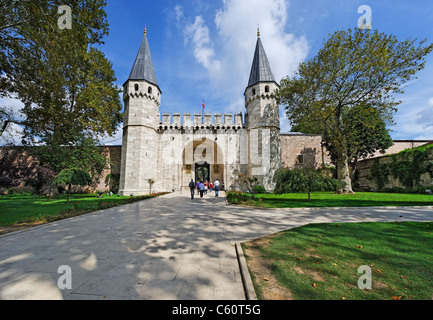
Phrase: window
(301,159)
(254,91)
(267,89)
(136,87)
(149,90)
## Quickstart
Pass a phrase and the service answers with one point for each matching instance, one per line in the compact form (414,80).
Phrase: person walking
(198,187)
(205,187)
(217,187)
(201,189)
(210,186)
(192,188)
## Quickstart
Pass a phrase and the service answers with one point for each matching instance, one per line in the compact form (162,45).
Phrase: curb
(250,293)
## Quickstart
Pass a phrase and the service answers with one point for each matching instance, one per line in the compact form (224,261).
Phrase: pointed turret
(263,120)
(260,69)
(142,98)
(143,65)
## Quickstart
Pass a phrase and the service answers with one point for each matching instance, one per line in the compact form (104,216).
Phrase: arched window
(254,92)
(136,87)
(149,90)
(267,89)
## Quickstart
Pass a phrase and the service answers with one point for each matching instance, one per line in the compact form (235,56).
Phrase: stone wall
(364,180)
(400,145)
(27,167)
(299,150)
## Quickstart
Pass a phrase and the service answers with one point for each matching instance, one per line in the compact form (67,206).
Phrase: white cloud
(198,34)
(425,116)
(178,13)
(227,53)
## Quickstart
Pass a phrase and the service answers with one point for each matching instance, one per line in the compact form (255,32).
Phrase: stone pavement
(170,247)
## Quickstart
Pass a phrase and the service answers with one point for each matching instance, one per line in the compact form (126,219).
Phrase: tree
(250,184)
(78,163)
(365,131)
(151,182)
(71,177)
(66,85)
(8,116)
(303,180)
(355,68)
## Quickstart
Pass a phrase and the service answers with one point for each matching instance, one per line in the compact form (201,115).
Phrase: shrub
(259,189)
(303,180)
(236,197)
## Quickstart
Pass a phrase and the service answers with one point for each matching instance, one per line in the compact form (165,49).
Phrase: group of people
(203,187)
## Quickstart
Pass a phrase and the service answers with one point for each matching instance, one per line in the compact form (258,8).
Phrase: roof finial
(145,29)
(258,31)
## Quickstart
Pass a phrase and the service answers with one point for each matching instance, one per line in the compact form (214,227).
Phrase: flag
(203,104)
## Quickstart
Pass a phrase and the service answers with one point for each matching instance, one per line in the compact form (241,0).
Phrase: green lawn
(321,261)
(20,208)
(331,199)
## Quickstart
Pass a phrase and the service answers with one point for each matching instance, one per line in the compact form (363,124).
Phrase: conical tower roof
(260,69)
(143,65)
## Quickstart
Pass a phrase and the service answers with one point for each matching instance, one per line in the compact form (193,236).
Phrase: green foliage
(365,133)
(73,176)
(354,69)
(237,197)
(259,189)
(249,184)
(67,86)
(380,173)
(303,180)
(81,153)
(407,166)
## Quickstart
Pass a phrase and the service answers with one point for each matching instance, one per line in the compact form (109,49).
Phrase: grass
(321,261)
(27,208)
(331,199)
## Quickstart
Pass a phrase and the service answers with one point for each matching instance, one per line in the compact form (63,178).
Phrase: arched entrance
(203,160)
(202,171)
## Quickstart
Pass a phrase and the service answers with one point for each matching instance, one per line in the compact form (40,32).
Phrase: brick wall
(300,150)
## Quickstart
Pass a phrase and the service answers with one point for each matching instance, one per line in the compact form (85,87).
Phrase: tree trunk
(309,197)
(343,174)
(69,192)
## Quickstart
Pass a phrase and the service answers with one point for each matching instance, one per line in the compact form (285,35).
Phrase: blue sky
(203,49)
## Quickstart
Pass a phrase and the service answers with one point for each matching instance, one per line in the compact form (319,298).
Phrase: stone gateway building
(177,149)
(172,149)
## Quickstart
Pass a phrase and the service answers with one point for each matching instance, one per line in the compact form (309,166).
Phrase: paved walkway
(169,247)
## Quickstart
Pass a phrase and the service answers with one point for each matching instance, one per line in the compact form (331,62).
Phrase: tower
(142,98)
(263,119)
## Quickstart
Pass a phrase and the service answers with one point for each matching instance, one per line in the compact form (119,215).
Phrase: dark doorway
(202,172)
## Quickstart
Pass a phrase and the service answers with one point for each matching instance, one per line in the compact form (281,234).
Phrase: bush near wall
(410,170)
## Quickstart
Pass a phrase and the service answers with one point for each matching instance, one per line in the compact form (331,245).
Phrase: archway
(202,172)
(203,159)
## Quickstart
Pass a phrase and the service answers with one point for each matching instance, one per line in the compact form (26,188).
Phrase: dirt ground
(7,229)
(261,272)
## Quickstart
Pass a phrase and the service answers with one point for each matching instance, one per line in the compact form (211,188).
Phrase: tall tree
(355,67)
(66,84)
(365,131)
(78,163)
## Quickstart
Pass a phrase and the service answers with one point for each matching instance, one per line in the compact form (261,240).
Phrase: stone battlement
(197,119)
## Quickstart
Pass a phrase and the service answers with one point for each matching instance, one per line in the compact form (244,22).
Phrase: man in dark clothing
(192,188)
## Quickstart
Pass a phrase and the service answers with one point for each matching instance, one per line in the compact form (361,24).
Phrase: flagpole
(202,112)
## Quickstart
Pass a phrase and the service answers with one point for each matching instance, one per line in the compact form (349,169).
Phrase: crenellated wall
(216,120)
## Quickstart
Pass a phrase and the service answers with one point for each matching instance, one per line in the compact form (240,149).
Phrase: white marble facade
(172,149)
